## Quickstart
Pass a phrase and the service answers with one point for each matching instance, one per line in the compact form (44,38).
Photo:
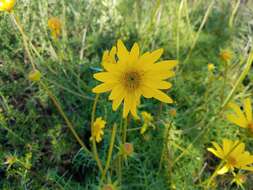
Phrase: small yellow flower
(109,57)
(233,154)
(147,121)
(55,26)
(210,67)
(240,118)
(128,149)
(7,5)
(134,75)
(10,160)
(226,55)
(34,76)
(173,112)
(97,129)
(239,179)
(109,187)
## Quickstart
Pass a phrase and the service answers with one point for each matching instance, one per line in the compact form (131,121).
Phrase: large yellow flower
(97,129)
(133,75)
(234,155)
(242,119)
(7,5)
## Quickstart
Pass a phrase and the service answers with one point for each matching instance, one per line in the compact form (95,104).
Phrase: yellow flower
(239,179)
(173,112)
(34,76)
(233,154)
(109,57)
(210,67)
(7,5)
(55,26)
(135,75)
(242,119)
(97,129)
(226,55)
(128,149)
(147,119)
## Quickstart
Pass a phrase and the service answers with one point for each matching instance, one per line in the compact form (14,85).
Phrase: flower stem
(24,37)
(60,110)
(94,145)
(107,165)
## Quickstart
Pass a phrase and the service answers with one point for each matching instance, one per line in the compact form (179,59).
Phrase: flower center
(96,129)
(231,161)
(250,126)
(131,80)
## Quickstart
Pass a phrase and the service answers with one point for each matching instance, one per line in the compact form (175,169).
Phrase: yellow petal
(122,50)
(165,65)
(155,55)
(238,111)
(127,106)
(236,120)
(223,170)
(218,149)
(104,76)
(162,96)
(134,53)
(227,145)
(248,109)
(216,153)
(103,88)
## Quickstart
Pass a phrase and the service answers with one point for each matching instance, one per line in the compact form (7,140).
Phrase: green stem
(24,37)
(94,145)
(60,110)
(108,161)
(199,30)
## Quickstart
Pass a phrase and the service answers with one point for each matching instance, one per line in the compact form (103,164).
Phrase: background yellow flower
(7,5)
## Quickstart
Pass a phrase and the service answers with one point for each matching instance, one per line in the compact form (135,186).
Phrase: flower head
(234,155)
(34,76)
(240,118)
(7,5)
(210,67)
(147,121)
(134,75)
(55,26)
(127,149)
(97,129)
(226,55)
(109,56)
(239,179)
(173,112)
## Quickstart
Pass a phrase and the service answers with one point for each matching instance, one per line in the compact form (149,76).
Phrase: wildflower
(225,55)
(109,187)
(10,160)
(109,57)
(233,154)
(55,26)
(173,112)
(135,75)
(128,149)
(97,129)
(210,67)
(7,5)
(239,179)
(34,75)
(147,121)
(239,118)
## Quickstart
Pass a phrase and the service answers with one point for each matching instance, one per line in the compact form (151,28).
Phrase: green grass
(32,130)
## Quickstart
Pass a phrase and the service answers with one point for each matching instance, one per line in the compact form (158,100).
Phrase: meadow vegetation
(126,94)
